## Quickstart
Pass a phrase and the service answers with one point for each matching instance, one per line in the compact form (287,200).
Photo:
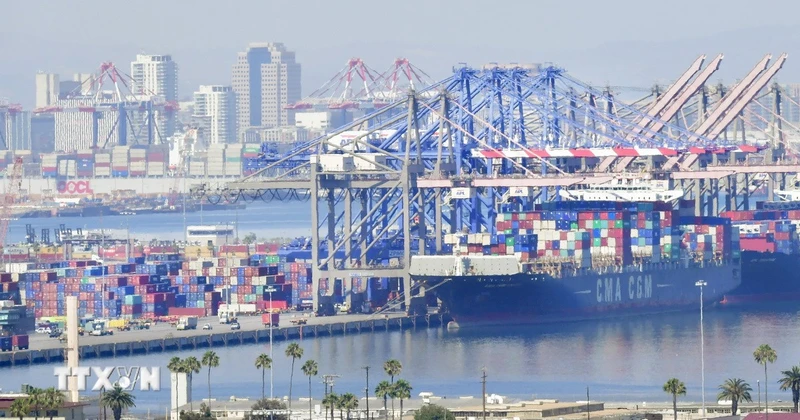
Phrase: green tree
(294,351)
(402,391)
(330,401)
(175,365)
(249,238)
(433,412)
(117,400)
(347,402)
(735,390)
(384,390)
(20,408)
(310,369)
(791,381)
(191,366)
(393,368)
(675,387)
(263,362)
(267,404)
(765,354)
(36,401)
(52,400)
(211,360)
(204,414)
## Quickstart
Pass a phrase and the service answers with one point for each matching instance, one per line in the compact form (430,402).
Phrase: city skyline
(597,44)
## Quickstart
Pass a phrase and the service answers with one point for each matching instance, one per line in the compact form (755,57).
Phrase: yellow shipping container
(117,323)
(80,255)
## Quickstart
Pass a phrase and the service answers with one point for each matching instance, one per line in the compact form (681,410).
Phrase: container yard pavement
(163,329)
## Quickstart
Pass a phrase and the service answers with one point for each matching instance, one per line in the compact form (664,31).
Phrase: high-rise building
(265,79)
(215,113)
(157,75)
(47,89)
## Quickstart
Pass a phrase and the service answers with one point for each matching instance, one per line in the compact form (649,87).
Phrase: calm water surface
(620,360)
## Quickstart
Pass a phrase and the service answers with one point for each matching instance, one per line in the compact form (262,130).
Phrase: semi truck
(227,316)
(271,319)
(187,323)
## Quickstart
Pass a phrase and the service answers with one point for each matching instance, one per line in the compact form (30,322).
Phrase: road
(161,330)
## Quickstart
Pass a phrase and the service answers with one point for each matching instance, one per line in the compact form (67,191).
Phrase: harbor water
(620,360)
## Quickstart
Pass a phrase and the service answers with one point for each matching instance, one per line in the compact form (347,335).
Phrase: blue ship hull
(473,300)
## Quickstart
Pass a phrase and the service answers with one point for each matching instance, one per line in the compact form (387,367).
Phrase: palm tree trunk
(766,398)
(675,405)
(309,398)
(734,407)
(117,413)
(209,385)
(291,379)
(385,408)
(795,398)
(393,400)
(401,408)
(263,372)
(189,381)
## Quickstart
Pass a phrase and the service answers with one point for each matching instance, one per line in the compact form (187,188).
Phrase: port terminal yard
(163,337)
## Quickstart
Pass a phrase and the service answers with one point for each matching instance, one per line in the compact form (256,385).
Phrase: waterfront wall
(130,344)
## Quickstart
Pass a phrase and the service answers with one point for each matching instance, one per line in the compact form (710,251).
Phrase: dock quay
(163,337)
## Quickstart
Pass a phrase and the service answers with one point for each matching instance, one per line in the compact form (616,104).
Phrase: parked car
(44,330)
(236,326)
(207,326)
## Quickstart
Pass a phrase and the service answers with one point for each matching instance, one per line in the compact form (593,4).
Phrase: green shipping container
(597,242)
(509,241)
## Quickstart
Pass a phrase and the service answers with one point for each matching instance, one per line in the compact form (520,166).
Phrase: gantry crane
(12,191)
(180,170)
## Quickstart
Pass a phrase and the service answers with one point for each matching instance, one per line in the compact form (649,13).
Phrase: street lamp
(758,383)
(701,284)
(270,290)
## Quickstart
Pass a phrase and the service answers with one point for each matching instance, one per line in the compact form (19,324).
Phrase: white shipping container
(102,158)
(138,166)
(197,168)
(102,171)
(336,163)
(369,161)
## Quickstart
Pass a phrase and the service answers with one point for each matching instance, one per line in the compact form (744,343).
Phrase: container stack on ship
(578,260)
(770,256)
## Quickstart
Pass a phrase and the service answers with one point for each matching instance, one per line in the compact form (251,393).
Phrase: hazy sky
(619,42)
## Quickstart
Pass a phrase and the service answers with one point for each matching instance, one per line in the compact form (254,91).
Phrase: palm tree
(765,354)
(36,400)
(347,402)
(736,390)
(211,360)
(393,368)
(20,408)
(330,401)
(52,400)
(263,362)
(117,400)
(402,391)
(791,381)
(191,365)
(294,351)
(384,390)
(175,365)
(310,369)
(675,387)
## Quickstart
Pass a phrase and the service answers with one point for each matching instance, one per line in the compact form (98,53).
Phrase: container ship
(583,260)
(770,253)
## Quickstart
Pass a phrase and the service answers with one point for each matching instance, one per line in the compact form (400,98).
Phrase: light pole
(270,290)
(701,284)
(758,382)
